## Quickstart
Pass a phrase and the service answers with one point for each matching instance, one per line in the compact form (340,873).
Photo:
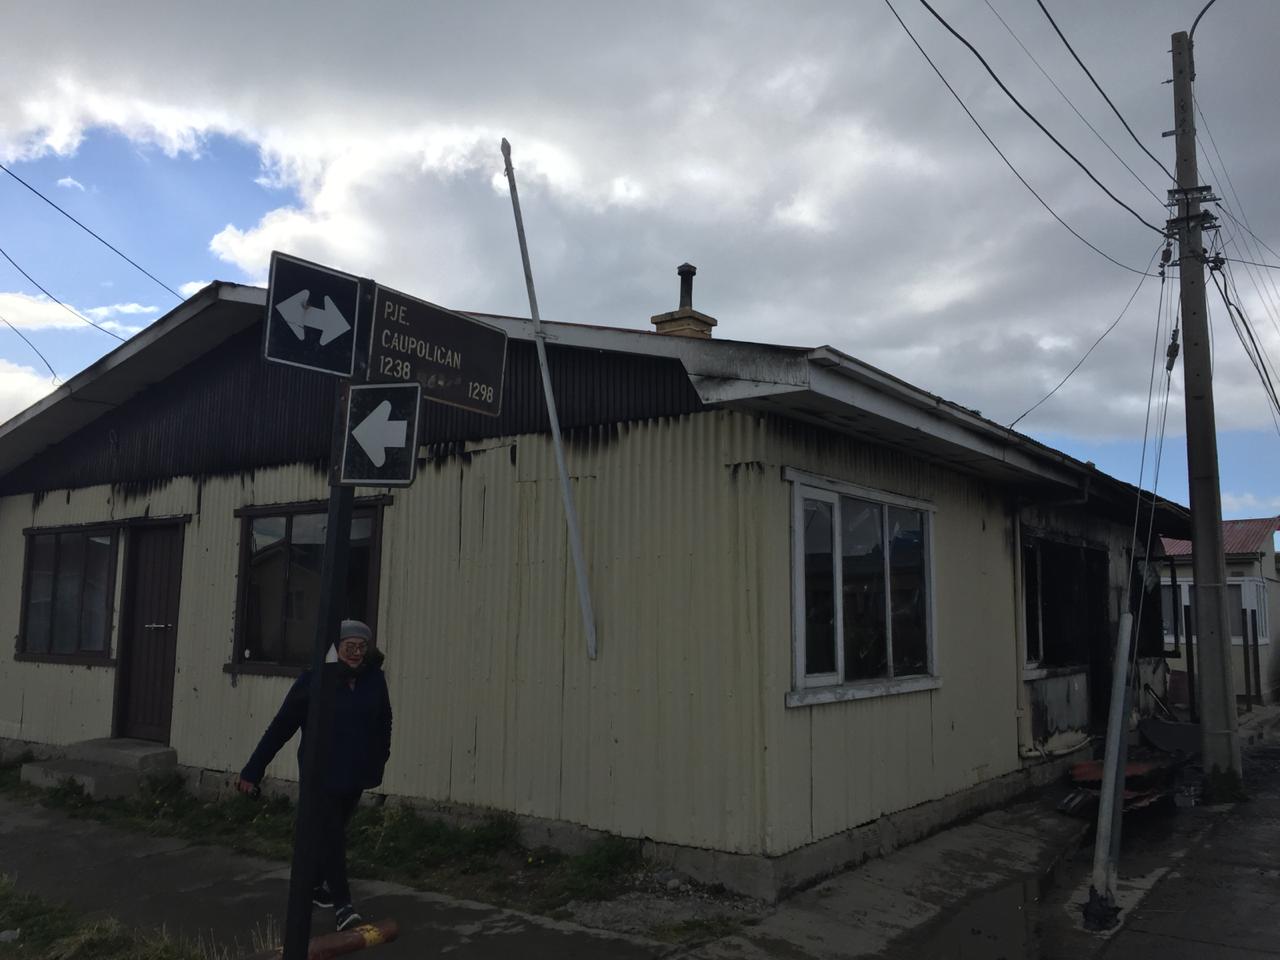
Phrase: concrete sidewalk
(884,908)
(209,892)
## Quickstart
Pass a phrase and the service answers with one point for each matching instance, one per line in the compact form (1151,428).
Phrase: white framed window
(862,567)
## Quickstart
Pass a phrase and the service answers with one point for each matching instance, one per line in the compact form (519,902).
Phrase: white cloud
(1250,505)
(825,198)
(41,313)
(71,183)
(20,387)
(118,309)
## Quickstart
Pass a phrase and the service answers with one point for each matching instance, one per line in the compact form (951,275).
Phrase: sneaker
(346,916)
(321,896)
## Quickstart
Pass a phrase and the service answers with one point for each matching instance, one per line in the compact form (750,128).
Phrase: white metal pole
(1112,775)
(539,339)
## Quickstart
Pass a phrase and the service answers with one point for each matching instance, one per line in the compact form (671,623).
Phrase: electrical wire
(28,342)
(1249,342)
(78,316)
(1094,346)
(1007,162)
(1062,93)
(1158,458)
(1098,87)
(133,263)
(1032,117)
(1195,23)
(1245,228)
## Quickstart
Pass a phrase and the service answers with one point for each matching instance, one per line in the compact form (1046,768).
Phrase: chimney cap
(684,321)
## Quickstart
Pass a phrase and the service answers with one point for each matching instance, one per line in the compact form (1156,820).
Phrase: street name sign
(311,316)
(380,447)
(456,359)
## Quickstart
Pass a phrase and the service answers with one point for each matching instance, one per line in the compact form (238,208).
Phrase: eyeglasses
(353,646)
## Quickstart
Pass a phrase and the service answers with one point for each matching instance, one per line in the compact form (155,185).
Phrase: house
(1253,603)
(834,611)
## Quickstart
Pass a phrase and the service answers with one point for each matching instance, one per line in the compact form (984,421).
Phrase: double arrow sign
(423,350)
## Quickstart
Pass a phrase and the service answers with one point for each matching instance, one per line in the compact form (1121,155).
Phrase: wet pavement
(1199,883)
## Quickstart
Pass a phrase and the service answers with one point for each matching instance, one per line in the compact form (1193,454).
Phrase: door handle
(157,626)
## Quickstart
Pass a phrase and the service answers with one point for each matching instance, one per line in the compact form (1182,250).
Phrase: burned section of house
(823,596)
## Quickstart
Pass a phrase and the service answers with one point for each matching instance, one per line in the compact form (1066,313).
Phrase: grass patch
(697,930)
(53,932)
(484,862)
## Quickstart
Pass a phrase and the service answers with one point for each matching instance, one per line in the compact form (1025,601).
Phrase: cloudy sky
(804,156)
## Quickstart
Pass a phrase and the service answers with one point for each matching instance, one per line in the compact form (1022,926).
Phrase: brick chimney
(685,321)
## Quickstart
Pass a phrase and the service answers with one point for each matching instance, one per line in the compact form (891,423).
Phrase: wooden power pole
(1216,691)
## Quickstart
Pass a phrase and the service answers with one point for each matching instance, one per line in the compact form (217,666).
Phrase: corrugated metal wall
(497,701)
(679,730)
(836,765)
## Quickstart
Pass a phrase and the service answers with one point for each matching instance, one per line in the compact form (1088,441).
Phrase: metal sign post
(314,317)
(292,314)
(566,491)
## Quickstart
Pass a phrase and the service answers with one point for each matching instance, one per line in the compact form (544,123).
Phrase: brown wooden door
(150,632)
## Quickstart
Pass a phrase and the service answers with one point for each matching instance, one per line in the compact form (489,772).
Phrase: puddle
(1002,924)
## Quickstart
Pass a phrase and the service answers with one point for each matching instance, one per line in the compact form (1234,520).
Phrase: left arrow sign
(377,433)
(299,315)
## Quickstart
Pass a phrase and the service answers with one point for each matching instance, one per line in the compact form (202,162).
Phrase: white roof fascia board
(916,412)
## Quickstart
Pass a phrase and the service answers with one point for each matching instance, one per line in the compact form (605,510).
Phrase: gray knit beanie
(356,630)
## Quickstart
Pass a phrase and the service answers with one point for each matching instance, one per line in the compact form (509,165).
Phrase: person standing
(356,755)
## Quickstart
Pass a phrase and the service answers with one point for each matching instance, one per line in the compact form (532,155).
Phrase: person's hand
(245,787)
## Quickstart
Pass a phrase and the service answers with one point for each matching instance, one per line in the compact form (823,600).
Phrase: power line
(1064,96)
(1195,23)
(1007,162)
(52,372)
(1098,87)
(78,316)
(1101,337)
(1249,342)
(1245,228)
(1032,117)
(95,236)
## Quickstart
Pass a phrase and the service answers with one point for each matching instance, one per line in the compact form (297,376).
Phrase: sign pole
(570,510)
(317,731)
(333,570)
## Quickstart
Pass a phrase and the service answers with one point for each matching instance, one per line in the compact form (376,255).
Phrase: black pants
(331,860)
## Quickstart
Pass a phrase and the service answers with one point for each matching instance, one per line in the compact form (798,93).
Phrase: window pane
(862,564)
(302,603)
(358,599)
(97,586)
(68,581)
(1031,599)
(1235,599)
(908,591)
(1168,609)
(819,592)
(39,594)
(264,589)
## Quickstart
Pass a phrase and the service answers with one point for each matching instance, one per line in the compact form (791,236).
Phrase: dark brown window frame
(376,506)
(80,657)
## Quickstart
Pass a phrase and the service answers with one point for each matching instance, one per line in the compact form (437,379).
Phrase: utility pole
(1216,691)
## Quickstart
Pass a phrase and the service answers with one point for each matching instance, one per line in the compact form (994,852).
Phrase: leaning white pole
(1112,775)
(539,339)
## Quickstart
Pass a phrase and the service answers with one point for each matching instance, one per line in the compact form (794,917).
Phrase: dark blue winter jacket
(360,739)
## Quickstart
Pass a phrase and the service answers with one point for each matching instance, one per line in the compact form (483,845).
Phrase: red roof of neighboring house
(1238,536)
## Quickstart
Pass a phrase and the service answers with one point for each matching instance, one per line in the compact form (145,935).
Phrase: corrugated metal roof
(1238,536)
